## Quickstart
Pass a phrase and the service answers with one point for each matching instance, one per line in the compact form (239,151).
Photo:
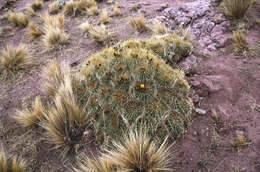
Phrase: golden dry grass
(19,19)
(14,60)
(104,18)
(30,11)
(12,164)
(56,21)
(85,26)
(54,8)
(76,7)
(138,24)
(31,116)
(53,77)
(116,11)
(66,120)
(237,8)
(33,30)
(101,35)
(159,28)
(54,37)
(93,11)
(239,42)
(136,152)
(37,5)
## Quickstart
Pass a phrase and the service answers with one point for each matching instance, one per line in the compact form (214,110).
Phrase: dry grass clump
(101,35)
(66,120)
(116,11)
(104,18)
(136,152)
(30,11)
(138,24)
(19,19)
(85,26)
(33,31)
(54,7)
(239,42)
(31,116)
(53,77)
(76,7)
(54,34)
(159,28)
(237,8)
(14,60)
(37,5)
(12,164)
(91,3)
(93,11)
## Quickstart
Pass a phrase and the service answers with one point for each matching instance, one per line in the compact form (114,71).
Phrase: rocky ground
(225,86)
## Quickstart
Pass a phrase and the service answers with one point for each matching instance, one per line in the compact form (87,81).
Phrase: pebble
(200,111)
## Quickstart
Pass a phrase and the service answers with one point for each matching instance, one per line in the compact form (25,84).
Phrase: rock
(188,63)
(200,111)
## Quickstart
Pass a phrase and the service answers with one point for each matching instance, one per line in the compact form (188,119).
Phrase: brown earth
(225,85)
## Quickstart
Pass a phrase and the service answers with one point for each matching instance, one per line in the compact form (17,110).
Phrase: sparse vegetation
(54,8)
(93,11)
(85,26)
(31,116)
(104,18)
(19,19)
(136,152)
(54,34)
(116,11)
(239,42)
(30,11)
(37,5)
(76,7)
(159,28)
(12,164)
(236,8)
(33,30)
(138,24)
(101,35)
(14,60)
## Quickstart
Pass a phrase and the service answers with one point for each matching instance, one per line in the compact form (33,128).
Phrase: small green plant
(11,165)
(237,8)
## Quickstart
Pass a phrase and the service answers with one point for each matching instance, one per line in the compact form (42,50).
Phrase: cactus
(128,86)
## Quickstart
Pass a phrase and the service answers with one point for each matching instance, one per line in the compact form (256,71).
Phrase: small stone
(200,111)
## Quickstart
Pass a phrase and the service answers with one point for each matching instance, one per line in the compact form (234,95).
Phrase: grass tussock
(31,116)
(19,19)
(54,8)
(66,120)
(33,31)
(76,7)
(12,164)
(136,152)
(93,11)
(236,8)
(138,24)
(239,42)
(14,60)
(159,28)
(54,35)
(30,11)
(116,11)
(101,34)
(37,5)
(85,26)
(53,77)
(104,18)
(91,3)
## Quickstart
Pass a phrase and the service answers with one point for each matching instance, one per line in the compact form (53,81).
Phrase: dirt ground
(231,98)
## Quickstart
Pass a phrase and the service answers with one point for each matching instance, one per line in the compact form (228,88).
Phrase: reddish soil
(234,96)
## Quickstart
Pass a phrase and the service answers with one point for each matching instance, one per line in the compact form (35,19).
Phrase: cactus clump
(129,85)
